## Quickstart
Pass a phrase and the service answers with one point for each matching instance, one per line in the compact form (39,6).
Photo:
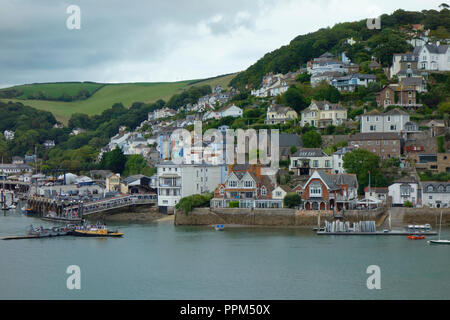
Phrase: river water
(161,261)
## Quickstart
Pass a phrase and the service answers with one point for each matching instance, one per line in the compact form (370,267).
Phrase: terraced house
(384,144)
(322,114)
(246,187)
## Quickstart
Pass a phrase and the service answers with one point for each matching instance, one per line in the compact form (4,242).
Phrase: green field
(107,95)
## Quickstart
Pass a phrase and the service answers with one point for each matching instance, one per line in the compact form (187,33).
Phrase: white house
(176,181)
(307,159)
(9,135)
(231,111)
(353,81)
(394,120)
(338,159)
(433,57)
(436,194)
(404,189)
(211,115)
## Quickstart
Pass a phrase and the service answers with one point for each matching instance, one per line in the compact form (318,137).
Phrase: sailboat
(439,241)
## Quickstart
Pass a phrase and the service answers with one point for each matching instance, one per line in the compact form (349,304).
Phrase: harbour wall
(270,217)
(400,217)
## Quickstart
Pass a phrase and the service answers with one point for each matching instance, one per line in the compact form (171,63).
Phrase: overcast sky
(170,40)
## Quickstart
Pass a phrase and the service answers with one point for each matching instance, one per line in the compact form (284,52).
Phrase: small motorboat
(219,227)
(416,237)
(29,211)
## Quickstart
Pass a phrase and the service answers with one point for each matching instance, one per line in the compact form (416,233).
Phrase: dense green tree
(312,139)
(114,160)
(292,200)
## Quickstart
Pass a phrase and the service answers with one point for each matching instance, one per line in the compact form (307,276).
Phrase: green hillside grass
(107,95)
(54,90)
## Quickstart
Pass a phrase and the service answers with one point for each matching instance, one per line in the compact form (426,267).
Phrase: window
(405,190)
(232,184)
(316,163)
(221,191)
(393,127)
(263,191)
(327,164)
(389,119)
(430,189)
(373,128)
(248,184)
(315,190)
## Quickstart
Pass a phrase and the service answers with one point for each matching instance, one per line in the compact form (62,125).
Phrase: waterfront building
(436,194)
(325,191)
(176,181)
(405,189)
(376,193)
(246,187)
(113,182)
(135,184)
(15,168)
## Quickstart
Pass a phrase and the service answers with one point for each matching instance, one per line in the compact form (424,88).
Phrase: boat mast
(440,225)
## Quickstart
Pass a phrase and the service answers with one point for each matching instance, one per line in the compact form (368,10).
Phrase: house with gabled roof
(231,111)
(325,191)
(280,114)
(398,95)
(246,186)
(394,120)
(321,114)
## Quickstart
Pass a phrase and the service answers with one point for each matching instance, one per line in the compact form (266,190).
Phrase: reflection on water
(161,261)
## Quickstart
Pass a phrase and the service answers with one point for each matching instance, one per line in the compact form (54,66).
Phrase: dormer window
(221,191)
(430,189)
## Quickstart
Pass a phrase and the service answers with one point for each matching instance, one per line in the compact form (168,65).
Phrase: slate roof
(436,185)
(375,136)
(310,152)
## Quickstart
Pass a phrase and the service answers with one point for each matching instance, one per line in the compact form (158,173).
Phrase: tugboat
(98,231)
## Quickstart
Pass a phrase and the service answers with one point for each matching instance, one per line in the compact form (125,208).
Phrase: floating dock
(378,233)
(368,228)
(33,236)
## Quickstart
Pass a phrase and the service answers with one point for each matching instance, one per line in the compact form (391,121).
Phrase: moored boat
(29,211)
(416,237)
(95,231)
(439,242)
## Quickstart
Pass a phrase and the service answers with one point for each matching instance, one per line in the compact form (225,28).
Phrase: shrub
(408,204)
(234,204)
